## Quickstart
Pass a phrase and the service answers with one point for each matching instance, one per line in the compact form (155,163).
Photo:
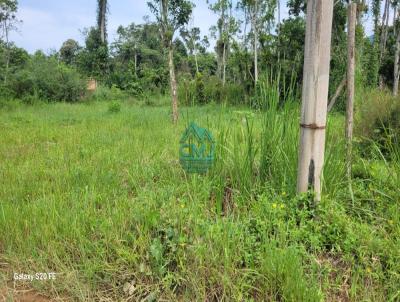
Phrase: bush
(372,107)
(114,107)
(231,93)
(378,121)
(203,90)
(186,90)
(9,105)
(200,95)
(104,93)
(44,78)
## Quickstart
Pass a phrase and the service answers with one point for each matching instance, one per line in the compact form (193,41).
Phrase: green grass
(97,195)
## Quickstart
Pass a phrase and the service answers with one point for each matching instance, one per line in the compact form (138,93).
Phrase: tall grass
(100,199)
(263,150)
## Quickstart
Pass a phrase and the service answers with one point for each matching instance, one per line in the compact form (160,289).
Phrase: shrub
(114,107)
(8,105)
(44,78)
(104,93)
(200,95)
(203,90)
(378,121)
(186,91)
(372,107)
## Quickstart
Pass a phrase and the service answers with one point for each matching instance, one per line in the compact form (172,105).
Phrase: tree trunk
(197,63)
(396,65)
(224,65)
(255,33)
(352,12)
(385,23)
(102,19)
(314,96)
(279,11)
(6,28)
(255,58)
(135,63)
(221,56)
(394,19)
(173,85)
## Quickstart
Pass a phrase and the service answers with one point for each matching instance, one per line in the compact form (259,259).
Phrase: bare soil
(12,295)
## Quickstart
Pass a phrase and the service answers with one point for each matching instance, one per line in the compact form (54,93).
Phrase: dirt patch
(339,275)
(11,295)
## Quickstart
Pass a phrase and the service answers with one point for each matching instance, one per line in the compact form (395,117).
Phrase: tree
(261,13)
(296,7)
(374,70)
(102,20)
(8,20)
(384,31)
(171,15)
(290,42)
(129,43)
(226,27)
(69,52)
(192,41)
(94,59)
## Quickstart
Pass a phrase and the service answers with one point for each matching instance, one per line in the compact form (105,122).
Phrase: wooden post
(317,56)
(351,34)
(396,59)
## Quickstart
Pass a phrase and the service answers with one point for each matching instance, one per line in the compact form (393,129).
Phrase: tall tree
(374,54)
(384,30)
(261,14)
(8,20)
(171,15)
(69,51)
(226,27)
(94,59)
(102,20)
(129,43)
(191,36)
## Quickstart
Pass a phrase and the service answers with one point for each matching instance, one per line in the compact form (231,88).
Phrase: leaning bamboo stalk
(314,95)
(337,94)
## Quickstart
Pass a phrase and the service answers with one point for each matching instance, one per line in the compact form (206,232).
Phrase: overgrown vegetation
(91,187)
(117,217)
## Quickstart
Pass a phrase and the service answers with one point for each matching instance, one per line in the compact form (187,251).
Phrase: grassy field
(98,197)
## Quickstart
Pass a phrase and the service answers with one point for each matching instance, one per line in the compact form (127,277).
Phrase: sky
(46,24)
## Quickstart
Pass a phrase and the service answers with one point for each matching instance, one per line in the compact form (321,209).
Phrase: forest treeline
(168,54)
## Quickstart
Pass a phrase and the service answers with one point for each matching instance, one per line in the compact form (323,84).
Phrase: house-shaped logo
(197,146)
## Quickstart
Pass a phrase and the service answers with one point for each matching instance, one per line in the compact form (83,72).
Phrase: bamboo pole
(396,60)
(314,95)
(351,63)
(352,11)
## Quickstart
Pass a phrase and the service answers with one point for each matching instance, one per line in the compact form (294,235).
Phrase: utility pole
(317,56)
(351,63)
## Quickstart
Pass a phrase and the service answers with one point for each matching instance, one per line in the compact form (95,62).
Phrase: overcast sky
(46,24)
